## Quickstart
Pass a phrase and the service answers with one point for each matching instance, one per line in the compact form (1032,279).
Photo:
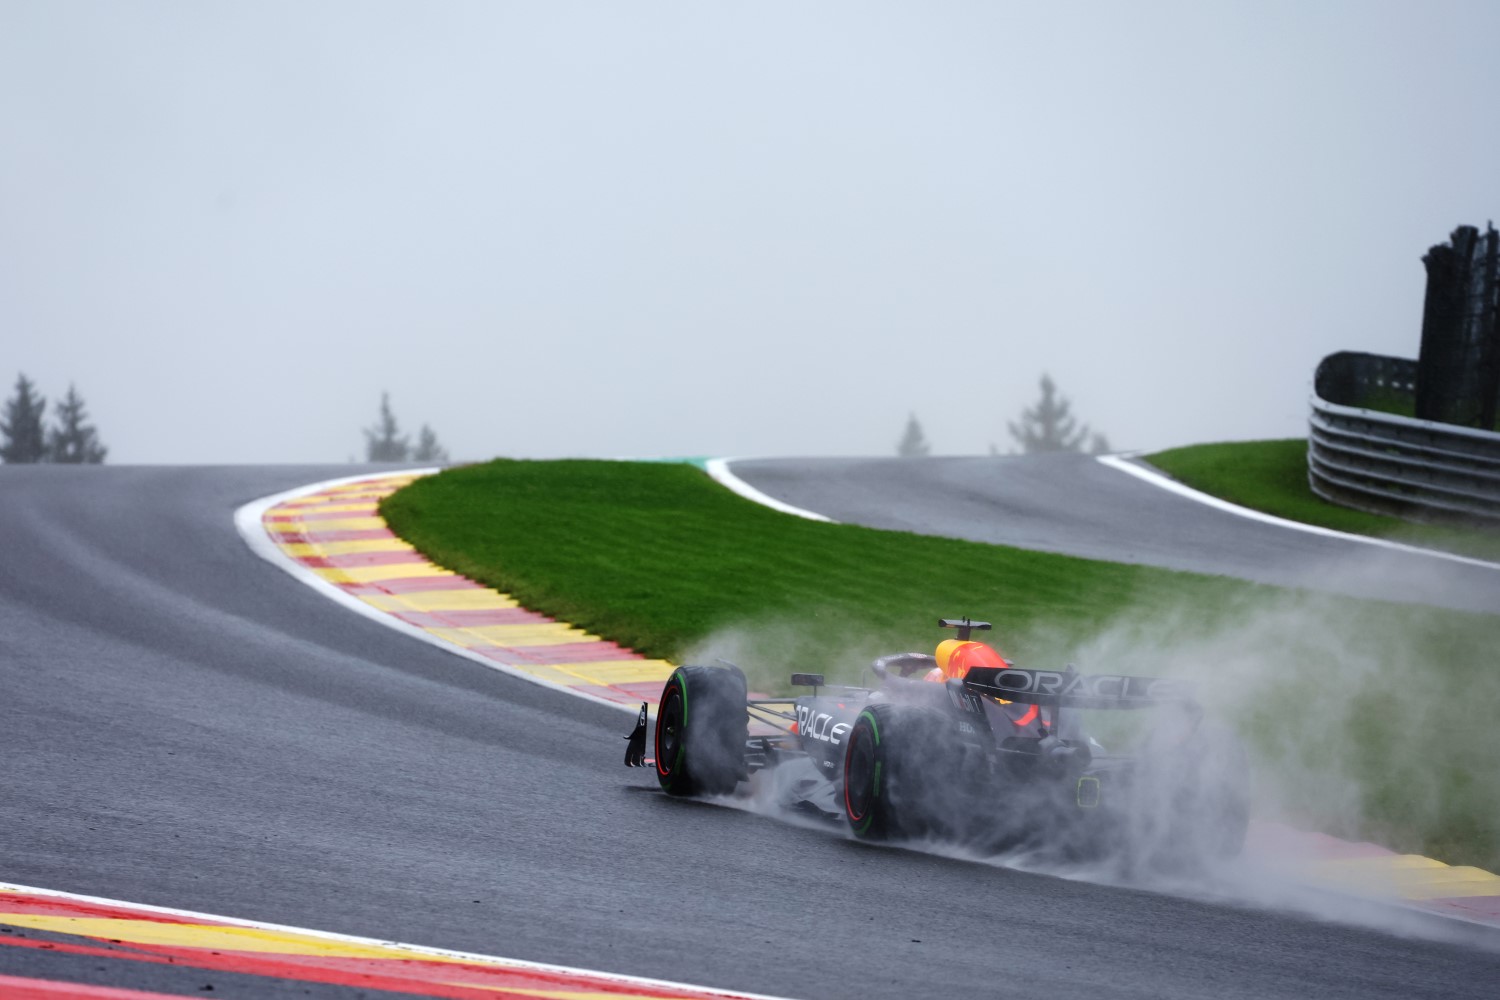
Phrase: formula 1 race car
(974,751)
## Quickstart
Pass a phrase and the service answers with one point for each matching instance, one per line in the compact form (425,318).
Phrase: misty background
(610,229)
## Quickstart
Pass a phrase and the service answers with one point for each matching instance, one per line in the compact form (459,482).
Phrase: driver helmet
(955,657)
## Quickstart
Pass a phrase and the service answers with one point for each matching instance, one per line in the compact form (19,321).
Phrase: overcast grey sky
(612,228)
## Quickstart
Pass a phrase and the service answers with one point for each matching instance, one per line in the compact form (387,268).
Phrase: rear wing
(1070,689)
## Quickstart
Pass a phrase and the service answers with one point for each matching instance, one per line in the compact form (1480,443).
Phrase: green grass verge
(1271,476)
(1368,719)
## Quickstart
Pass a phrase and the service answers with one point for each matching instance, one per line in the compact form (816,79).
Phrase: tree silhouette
(913,443)
(1051,426)
(73,441)
(384,442)
(22,426)
(428,449)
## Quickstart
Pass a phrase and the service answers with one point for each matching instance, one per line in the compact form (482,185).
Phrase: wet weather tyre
(701,727)
(894,772)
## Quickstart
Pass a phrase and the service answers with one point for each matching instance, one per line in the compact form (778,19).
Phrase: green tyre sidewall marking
(863,825)
(682,725)
(673,781)
(874,731)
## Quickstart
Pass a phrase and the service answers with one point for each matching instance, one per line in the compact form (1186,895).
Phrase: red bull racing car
(964,747)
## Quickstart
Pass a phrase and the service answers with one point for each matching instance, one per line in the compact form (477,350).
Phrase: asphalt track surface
(1074,505)
(184,725)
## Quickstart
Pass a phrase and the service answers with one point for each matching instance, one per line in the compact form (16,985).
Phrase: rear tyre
(701,728)
(899,771)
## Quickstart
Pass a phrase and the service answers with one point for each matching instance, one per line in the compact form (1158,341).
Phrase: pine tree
(428,449)
(913,443)
(384,442)
(1051,426)
(22,427)
(72,441)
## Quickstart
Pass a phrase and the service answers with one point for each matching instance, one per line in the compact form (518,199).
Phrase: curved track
(1074,505)
(185,725)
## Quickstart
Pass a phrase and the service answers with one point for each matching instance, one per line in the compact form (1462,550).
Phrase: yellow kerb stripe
(358,547)
(442,600)
(385,484)
(366,507)
(375,574)
(545,634)
(338,524)
(1409,876)
(619,671)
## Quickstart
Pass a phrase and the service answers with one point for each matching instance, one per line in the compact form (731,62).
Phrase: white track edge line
(417,949)
(718,470)
(248,520)
(1162,481)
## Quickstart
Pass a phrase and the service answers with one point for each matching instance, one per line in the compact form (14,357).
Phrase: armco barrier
(1387,464)
(1354,378)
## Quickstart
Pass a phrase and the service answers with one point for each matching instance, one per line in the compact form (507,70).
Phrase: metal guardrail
(1353,378)
(1388,464)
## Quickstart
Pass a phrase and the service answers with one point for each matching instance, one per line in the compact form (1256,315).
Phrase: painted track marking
(1122,463)
(330,536)
(135,932)
(718,469)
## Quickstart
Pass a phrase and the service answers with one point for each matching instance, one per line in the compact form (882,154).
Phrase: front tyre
(701,728)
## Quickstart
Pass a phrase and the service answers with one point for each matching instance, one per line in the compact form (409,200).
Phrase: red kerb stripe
(17,988)
(356,559)
(410,585)
(572,652)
